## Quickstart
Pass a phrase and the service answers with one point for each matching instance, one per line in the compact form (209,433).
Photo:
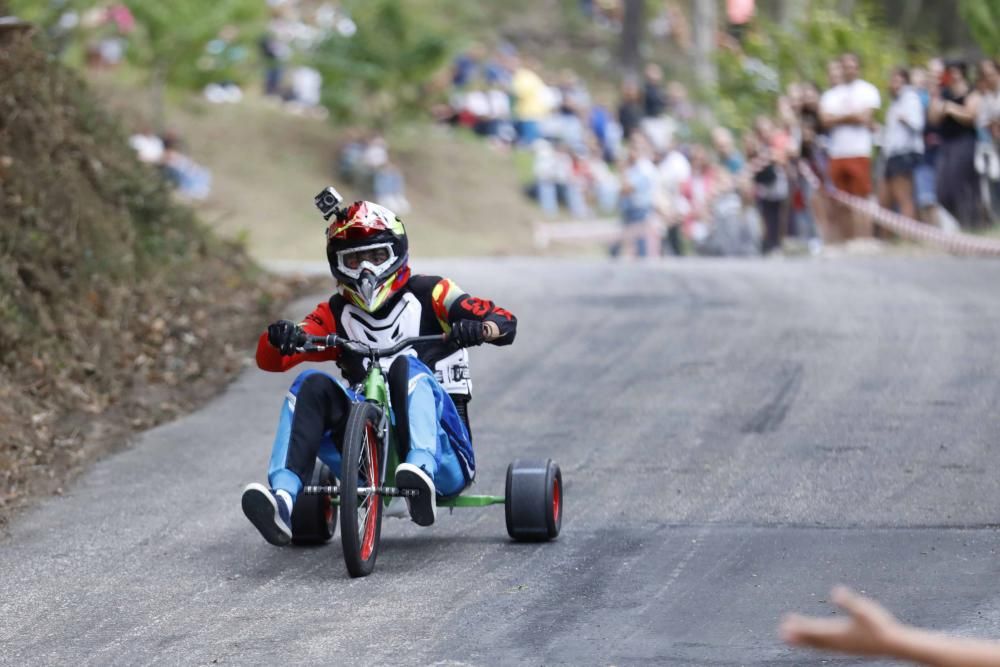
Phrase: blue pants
(438,439)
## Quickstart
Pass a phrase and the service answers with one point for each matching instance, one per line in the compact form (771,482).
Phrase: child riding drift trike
(399,428)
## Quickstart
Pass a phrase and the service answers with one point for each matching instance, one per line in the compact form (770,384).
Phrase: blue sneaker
(270,512)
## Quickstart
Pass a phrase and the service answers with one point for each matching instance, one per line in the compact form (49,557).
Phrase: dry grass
(267,164)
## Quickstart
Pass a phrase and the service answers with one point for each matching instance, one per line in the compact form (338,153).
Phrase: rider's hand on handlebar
(286,336)
(351,360)
(467,333)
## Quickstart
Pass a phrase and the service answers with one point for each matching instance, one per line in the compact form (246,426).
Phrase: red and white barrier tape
(908,228)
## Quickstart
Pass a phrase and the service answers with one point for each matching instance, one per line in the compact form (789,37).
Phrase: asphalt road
(734,438)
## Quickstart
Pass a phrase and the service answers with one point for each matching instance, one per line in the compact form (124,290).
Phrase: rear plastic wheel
(533,500)
(314,519)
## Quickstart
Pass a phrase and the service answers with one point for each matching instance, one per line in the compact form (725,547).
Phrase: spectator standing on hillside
(673,172)
(902,143)
(605,130)
(630,109)
(574,100)
(834,77)
(274,52)
(770,183)
(847,110)
(603,182)
(955,113)
(654,97)
(809,210)
(700,191)
(988,131)
(927,86)
(678,104)
(725,148)
(657,127)
(545,170)
(637,193)
(531,102)
(738,16)
(389,188)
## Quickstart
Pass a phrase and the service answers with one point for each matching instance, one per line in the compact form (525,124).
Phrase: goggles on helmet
(377,258)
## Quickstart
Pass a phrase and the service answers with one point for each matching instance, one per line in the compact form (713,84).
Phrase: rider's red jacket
(441,303)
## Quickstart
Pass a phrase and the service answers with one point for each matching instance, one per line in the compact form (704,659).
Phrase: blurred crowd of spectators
(591,157)
(933,158)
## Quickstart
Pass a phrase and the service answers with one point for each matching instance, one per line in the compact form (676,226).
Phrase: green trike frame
(533,493)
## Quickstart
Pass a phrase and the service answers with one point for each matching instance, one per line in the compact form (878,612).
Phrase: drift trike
(533,498)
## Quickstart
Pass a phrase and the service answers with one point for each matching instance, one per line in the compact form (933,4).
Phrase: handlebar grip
(317,343)
(312,343)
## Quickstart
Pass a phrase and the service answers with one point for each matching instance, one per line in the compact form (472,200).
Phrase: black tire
(533,501)
(360,530)
(314,519)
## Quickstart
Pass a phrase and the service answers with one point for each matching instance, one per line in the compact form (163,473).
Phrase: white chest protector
(403,321)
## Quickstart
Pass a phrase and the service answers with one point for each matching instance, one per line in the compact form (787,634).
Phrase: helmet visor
(377,258)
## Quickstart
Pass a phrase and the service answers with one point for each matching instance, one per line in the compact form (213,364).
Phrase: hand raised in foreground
(870,630)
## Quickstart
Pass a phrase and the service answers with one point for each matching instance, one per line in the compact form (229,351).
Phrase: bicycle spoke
(365,472)
(360,506)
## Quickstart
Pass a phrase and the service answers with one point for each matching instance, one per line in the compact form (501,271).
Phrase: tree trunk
(706,21)
(790,12)
(911,12)
(633,23)
(157,84)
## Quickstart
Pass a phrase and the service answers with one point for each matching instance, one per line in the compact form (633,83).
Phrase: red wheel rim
(556,500)
(328,511)
(370,450)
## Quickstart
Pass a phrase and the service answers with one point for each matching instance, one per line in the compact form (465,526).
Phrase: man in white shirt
(846,111)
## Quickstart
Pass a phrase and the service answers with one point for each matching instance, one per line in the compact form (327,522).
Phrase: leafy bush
(775,57)
(983,19)
(381,73)
(173,36)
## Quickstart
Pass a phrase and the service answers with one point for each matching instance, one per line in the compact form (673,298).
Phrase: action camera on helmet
(327,201)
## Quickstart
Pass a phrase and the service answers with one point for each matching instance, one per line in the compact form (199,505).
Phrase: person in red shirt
(379,302)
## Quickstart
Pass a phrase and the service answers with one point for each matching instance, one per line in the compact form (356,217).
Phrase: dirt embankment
(118,309)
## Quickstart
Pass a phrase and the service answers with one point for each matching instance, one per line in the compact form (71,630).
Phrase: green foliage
(983,19)
(382,72)
(775,57)
(41,13)
(172,37)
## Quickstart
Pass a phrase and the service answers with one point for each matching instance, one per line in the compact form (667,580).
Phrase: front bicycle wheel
(360,509)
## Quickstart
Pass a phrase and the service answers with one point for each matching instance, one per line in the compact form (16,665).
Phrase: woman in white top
(902,143)
(988,121)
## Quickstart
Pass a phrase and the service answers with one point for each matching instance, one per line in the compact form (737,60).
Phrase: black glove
(286,336)
(467,333)
(351,361)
